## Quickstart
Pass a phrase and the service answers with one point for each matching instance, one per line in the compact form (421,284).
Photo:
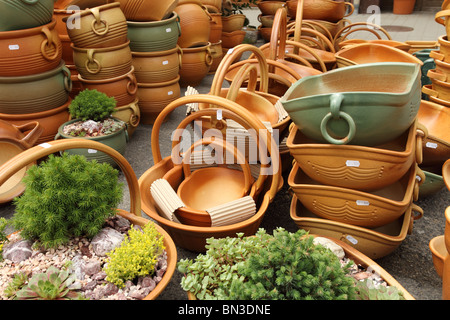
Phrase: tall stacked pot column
(153,31)
(34,81)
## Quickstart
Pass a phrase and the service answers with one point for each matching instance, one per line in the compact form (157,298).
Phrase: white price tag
(170,93)
(168,30)
(362,202)
(352,163)
(92,151)
(351,239)
(45,145)
(165,62)
(13,47)
(431,145)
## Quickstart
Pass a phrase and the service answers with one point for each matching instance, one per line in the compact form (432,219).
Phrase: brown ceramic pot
(268,8)
(122,88)
(76,84)
(213,5)
(217,55)
(154,97)
(157,66)
(97,27)
(216,27)
(18,15)
(328,10)
(102,63)
(49,120)
(130,114)
(233,22)
(194,23)
(147,10)
(232,39)
(29,51)
(195,65)
(266,21)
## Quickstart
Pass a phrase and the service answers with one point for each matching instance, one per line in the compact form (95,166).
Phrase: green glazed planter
(154,36)
(117,140)
(24,14)
(366,104)
(433,183)
(428,64)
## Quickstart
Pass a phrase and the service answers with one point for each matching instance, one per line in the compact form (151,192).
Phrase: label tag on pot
(169,30)
(219,114)
(165,62)
(351,239)
(352,163)
(92,151)
(431,145)
(362,202)
(230,51)
(45,145)
(14,47)
(170,93)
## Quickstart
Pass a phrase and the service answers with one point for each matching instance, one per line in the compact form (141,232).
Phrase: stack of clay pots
(268,9)
(195,25)
(214,8)
(153,31)
(34,81)
(102,57)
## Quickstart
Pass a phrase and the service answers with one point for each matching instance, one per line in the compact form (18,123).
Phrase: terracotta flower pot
(213,5)
(154,35)
(157,66)
(103,63)
(97,27)
(122,88)
(268,8)
(147,10)
(438,89)
(29,51)
(232,39)
(24,14)
(154,97)
(403,6)
(433,183)
(35,93)
(266,21)
(49,120)
(194,23)
(13,140)
(217,55)
(195,65)
(233,22)
(328,10)
(130,114)
(216,28)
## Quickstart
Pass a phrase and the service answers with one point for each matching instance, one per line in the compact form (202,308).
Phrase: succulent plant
(52,285)
(368,291)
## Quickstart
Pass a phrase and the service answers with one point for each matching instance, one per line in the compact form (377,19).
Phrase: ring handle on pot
(132,86)
(92,60)
(208,56)
(434,74)
(246,70)
(437,55)
(67,79)
(135,115)
(442,16)
(428,91)
(42,150)
(350,11)
(420,178)
(98,21)
(48,42)
(35,132)
(421,135)
(335,104)
(240,159)
(250,122)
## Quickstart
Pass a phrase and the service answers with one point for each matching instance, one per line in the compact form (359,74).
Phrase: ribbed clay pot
(195,65)
(232,39)
(268,8)
(76,84)
(97,27)
(29,51)
(154,97)
(233,22)
(216,27)
(67,53)
(194,23)
(154,35)
(147,10)
(157,66)
(266,21)
(130,114)
(49,120)
(24,14)
(122,88)
(102,63)
(35,93)
(217,55)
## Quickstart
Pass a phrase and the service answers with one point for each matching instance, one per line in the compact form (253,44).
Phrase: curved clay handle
(420,178)
(47,43)
(372,30)
(427,90)
(240,77)
(446,173)
(441,16)
(421,135)
(316,25)
(30,139)
(42,150)
(252,121)
(352,8)
(320,37)
(98,21)
(437,55)
(30,1)
(92,60)
(436,75)
(277,44)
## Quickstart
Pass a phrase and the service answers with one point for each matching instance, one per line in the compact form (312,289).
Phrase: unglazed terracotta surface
(146,10)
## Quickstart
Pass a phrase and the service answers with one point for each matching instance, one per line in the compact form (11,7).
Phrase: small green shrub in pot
(66,196)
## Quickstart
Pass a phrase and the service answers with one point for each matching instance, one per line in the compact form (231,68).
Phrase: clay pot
(443,54)
(331,28)
(97,27)
(328,10)
(216,27)
(266,21)
(154,97)
(122,88)
(24,14)
(195,65)
(35,93)
(446,173)
(81,4)
(49,120)
(154,35)
(232,39)
(157,66)
(213,5)
(373,242)
(194,23)
(403,6)
(147,10)
(233,22)
(130,114)
(396,44)
(438,89)
(102,63)
(76,83)
(265,33)
(217,55)
(434,182)
(29,51)
(268,8)
(13,140)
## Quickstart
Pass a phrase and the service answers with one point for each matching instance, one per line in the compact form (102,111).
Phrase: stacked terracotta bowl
(356,189)
(34,81)
(153,31)
(214,8)
(268,9)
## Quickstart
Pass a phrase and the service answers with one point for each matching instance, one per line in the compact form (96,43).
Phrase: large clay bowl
(195,64)
(327,10)
(375,243)
(16,15)
(268,7)
(446,173)
(122,88)
(370,104)
(35,93)
(49,120)
(438,253)
(372,53)
(30,51)
(433,183)
(97,27)
(157,66)
(436,146)
(154,35)
(194,23)
(266,21)
(147,10)
(332,27)
(13,141)
(360,208)
(102,63)
(353,166)
(233,38)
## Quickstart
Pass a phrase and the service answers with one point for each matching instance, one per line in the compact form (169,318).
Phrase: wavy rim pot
(368,104)
(134,214)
